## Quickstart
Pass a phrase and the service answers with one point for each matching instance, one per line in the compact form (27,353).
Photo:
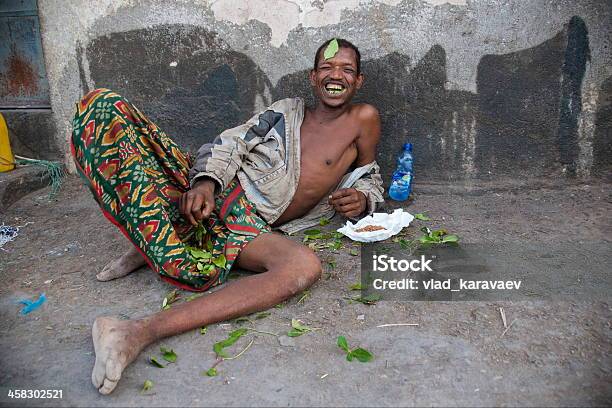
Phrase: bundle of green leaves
(204,260)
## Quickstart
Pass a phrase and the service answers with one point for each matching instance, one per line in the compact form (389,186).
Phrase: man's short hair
(342,43)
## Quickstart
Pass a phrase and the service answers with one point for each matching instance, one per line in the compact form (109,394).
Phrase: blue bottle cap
(408,146)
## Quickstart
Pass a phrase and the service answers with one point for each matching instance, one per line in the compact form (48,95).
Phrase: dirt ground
(556,352)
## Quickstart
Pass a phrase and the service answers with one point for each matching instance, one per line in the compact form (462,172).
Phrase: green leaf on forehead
(331,49)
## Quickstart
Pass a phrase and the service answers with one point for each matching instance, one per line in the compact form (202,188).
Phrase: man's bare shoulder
(369,120)
(366,112)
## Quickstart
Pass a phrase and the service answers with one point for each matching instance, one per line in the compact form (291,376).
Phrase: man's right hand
(199,202)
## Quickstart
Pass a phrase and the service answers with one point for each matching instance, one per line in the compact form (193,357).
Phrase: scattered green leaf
(297,329)
(170,298)
(359,353)
(148,384)
(262,315)
(323,222)
(371,299)
(362,355)
(366,300)
(450,238)
(422,217)
(336,245)
(240,320)
(405,244)
(343,344)
(312,232)
(353,252)
(211,372)
(439,236)
(332,264)
(305,294)
(331,49)
(315,247)
(156,363)
(168,354)
(356,286)
(231,339)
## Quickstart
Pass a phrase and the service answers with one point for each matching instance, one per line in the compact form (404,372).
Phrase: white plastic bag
(393,224)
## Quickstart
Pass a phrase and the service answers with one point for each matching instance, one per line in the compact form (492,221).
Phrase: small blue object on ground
(30,305)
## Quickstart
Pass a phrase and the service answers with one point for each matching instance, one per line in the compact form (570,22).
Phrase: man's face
(335,80)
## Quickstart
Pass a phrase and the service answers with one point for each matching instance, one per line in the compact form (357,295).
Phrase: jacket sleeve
(221,159)
(371,185)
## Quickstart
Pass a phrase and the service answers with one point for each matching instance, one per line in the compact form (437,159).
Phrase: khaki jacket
(264,153)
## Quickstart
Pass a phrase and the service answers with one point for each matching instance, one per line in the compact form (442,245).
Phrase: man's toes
(108,386)
(113,374)
(106,273)
(97,375)
(113,368)
(102,277)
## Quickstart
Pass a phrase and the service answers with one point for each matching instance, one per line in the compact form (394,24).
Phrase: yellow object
(7,161)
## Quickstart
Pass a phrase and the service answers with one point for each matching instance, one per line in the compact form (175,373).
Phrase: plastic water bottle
(401,184)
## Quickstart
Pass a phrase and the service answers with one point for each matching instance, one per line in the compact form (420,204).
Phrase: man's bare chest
(329,146)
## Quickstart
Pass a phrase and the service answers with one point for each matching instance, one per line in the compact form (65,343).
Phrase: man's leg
(136,174)
(286,269)
(118,268)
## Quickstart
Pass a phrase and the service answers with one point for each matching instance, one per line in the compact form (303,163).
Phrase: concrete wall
(483,89)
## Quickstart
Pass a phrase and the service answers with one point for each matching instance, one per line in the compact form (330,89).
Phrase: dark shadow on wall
(511,128)
(602,140)
(530,102)
(518,99)
(210,89)
(577,54)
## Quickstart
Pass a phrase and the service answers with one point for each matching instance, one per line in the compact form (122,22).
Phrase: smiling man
(286,168)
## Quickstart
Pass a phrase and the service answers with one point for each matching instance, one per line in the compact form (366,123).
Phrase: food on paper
(369,228)
(391,224)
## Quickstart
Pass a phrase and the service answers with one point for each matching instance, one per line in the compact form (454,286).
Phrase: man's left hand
(348,202)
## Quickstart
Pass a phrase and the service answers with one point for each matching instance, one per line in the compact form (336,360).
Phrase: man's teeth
(334,89)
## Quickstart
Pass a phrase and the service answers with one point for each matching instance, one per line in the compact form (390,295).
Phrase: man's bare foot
(116,344)
(128,263)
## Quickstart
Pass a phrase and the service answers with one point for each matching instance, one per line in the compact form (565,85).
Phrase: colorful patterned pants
(137,174)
